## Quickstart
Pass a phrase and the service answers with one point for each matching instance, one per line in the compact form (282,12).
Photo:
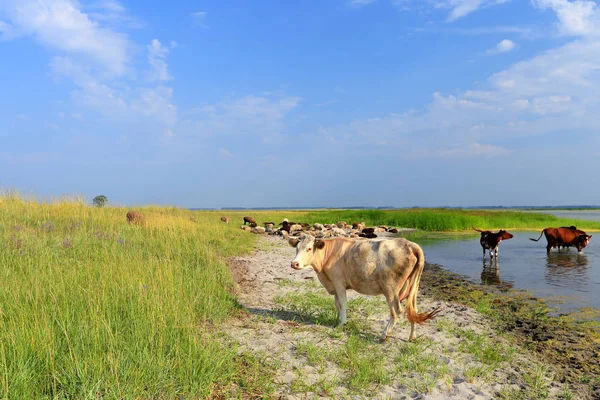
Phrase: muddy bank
(483,345)
(571,346)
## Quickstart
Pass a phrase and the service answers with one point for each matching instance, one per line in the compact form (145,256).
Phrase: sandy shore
(459,355)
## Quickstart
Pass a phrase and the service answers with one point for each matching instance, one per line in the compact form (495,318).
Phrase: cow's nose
(295,265)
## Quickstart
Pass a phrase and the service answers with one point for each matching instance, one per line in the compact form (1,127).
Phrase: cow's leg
(496,251)
(340,303)
(483,251)
(394,304)
(338,307)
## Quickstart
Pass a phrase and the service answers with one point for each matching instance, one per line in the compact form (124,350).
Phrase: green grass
(448,220)
(91,306)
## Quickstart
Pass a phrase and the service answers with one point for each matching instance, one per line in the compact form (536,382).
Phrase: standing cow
(250,221)
(134,217)
(566,237)
(491,240)
(390,267)
(225,219)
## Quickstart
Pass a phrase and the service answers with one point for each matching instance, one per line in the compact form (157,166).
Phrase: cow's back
(369,264)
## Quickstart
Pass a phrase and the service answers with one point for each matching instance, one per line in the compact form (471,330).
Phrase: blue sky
(302,103)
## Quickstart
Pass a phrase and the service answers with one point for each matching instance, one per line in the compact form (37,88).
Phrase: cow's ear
(294,242)
(319,244)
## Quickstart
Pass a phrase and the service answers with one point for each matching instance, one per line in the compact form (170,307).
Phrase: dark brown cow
(368,231)
(134,217)
(370,235)
(491,240)
(565,237)
(251,221)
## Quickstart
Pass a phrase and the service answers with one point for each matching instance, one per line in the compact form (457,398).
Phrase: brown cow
(225,219)
(564,237)
(391,267)
(491,240)
(251,221)
(368,231)
(134,217)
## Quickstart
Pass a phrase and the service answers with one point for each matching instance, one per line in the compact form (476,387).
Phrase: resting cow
(565,237)
(390,267)
(491,240)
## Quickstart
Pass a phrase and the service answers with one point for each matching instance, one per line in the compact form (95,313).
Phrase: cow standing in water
(390,267)
(565,237)
(491,240)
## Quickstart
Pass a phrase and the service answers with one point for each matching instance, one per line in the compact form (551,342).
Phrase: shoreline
(532,355)
(571,345)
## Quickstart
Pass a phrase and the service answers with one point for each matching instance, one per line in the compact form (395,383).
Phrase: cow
(392,230)
(491,240)
(565,237)
(368,231)
(391,267)
(250,221)
(134,217)
(225,219)
(369,235)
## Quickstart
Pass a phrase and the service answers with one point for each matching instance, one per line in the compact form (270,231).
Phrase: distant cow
(390,267)
(250,221)
(565,237)
(491,240)
(134,217)
(368,231)
(225,219)
(370,235)
(392,230)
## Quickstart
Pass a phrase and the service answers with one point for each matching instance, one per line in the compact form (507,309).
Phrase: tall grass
(448,219)
(91,306)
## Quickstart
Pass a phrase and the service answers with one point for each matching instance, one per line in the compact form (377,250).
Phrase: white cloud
(504,46)
(62,25)
(470,150)
(112,12)
(360,3)
(578,17)
(200,18)
(225,153)
(458,8)
(261,116)
(156,58)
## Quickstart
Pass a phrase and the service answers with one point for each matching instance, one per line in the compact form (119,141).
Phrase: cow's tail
(535,240)
(478,230)
(413,285)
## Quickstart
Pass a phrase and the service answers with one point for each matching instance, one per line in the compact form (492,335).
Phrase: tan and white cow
(391,267)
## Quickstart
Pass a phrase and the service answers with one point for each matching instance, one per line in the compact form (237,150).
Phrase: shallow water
(570,280)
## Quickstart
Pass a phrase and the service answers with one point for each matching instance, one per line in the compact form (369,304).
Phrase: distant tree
(100,201)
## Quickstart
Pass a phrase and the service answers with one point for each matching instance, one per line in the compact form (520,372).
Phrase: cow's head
(505,235)
(582,241)
(306,248)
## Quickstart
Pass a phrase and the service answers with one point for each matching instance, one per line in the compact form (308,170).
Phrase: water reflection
(566,259)
(565,269)
(490,274)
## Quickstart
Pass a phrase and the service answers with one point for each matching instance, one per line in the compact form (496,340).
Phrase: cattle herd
(391,268)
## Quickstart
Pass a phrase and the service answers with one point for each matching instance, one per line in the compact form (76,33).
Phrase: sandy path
(276,330)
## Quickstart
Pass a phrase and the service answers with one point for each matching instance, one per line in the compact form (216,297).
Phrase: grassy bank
(91,306)
(449,220)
